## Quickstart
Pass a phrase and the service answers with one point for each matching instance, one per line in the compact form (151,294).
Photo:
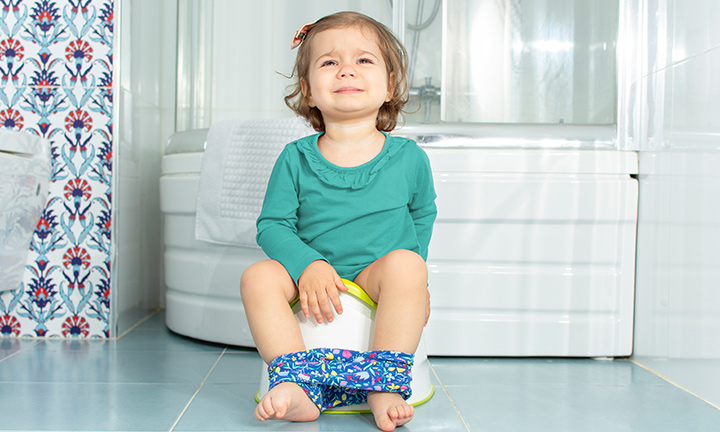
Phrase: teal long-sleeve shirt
(349,217)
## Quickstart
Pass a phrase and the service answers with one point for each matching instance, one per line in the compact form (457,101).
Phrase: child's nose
(347,70)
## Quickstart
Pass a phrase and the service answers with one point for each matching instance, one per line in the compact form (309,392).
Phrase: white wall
(145,113)
(677,319)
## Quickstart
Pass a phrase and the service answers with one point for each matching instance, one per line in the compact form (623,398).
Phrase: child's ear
(305,88)
(391,86)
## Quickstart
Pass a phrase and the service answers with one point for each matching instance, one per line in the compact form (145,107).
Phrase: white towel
(238,160)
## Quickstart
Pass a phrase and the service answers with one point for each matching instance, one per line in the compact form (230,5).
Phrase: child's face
(347,77)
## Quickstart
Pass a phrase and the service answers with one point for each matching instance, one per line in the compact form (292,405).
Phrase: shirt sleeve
(422,205)
(277,225)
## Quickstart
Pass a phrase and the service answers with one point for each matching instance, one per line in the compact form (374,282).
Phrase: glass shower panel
(530,61)
(194,63)
(421,32)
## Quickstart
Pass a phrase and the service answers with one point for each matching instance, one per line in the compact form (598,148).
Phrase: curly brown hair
(393,52)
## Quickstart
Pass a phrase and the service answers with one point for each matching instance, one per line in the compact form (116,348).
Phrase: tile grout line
(197,391)
(668,380)
(134,326)
(432,368)
(21,351)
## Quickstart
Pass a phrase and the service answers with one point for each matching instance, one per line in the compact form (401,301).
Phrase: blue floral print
(334,377)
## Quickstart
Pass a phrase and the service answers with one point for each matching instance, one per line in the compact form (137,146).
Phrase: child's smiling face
(347,77)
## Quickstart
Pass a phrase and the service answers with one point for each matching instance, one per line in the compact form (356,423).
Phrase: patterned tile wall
(56,61)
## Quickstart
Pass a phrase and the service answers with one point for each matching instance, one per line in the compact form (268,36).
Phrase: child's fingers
(304,304)
(334,297)
(315,308)
(309,306)
(324,305)
(339,283)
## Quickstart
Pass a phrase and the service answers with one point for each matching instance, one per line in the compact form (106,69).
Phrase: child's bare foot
(390,410)
(287,401)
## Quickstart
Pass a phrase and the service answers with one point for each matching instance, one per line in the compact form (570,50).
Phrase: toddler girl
(349,202)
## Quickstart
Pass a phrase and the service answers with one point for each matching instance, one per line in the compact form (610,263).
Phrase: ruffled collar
(349,178)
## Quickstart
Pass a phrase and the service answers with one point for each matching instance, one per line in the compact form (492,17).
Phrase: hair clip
(300,35)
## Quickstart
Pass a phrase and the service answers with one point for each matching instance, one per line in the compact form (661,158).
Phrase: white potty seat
(353,330)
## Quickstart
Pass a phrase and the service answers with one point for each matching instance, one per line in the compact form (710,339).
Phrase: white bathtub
(533,252)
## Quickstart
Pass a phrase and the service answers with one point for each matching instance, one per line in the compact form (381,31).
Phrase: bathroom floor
(153,380)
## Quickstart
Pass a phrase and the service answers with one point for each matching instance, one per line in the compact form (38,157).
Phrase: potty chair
(353,330)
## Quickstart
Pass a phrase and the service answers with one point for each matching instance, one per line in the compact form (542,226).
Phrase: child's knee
(249,279)
(262,276)
(407,263)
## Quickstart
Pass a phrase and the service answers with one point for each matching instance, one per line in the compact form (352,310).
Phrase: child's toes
(261,412)
(390,410)
(401,414)
(269,408)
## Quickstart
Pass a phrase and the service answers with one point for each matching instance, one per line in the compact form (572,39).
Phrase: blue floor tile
(580,408)
(155,321)
(570,395)
(478,371)
(237,368)
(154,380)
(96,366)
(153,339)
(92,407)
(11,347)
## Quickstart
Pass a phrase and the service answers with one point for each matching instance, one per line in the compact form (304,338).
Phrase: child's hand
(318,283)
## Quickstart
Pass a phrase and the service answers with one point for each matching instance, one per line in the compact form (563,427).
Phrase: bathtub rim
(465,135)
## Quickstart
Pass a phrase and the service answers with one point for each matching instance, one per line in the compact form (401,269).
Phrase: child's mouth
(348,90)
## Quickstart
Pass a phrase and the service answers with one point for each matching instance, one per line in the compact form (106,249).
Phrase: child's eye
(365,61)
(328,63)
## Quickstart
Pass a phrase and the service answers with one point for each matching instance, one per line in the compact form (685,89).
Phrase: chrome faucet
(427,94)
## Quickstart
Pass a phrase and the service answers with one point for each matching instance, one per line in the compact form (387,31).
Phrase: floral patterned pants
(334,377)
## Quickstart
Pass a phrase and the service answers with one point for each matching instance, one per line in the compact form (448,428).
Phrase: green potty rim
(354,290)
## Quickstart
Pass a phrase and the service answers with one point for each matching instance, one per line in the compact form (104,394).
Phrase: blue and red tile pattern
(56,60)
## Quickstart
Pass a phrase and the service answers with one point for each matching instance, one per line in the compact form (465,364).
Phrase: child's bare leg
(398,283)
(266,290)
